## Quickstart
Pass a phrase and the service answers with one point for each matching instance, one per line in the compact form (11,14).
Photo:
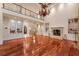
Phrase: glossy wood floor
(46,46)
(39,46)
(12,48)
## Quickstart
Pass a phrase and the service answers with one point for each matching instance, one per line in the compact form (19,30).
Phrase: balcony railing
(21,10)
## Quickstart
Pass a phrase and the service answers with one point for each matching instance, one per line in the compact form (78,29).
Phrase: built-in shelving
(72,26)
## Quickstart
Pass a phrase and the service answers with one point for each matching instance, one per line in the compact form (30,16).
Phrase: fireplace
(57,32)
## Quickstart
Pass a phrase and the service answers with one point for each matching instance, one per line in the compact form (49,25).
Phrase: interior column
(1,25)
(78,30)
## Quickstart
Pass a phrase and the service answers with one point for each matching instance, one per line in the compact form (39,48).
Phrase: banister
(20,10)
(25,8)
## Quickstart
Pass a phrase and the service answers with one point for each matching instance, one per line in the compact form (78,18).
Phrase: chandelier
(44,9)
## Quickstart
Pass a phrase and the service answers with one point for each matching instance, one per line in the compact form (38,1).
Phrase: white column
(1,25)
(39,30)
(78,29)
(43,29)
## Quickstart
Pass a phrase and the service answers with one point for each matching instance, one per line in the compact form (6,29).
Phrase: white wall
(29,24)
(59,17)
(7,35)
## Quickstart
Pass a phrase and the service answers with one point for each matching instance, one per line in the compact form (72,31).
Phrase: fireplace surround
(57,32)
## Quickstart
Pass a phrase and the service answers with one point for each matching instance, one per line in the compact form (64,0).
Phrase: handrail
(25,8)
(20,9)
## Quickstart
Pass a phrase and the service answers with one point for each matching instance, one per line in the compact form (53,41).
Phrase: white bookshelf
(72,26)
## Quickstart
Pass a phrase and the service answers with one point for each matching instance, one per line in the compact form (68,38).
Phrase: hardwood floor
(43,46)
(12,48)
(53,47)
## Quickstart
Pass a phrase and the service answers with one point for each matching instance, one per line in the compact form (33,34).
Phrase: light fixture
(44,9)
